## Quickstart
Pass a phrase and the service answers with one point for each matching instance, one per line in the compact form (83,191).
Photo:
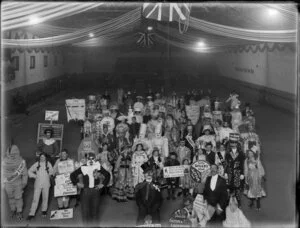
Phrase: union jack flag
(146,39)
(166,11)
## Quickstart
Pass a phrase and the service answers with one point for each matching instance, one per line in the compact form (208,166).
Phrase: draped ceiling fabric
(219,25)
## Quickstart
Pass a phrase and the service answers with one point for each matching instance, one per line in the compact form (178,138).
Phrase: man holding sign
(63,165)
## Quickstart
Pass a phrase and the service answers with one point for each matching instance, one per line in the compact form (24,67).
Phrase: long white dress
(138,158)
(235,219)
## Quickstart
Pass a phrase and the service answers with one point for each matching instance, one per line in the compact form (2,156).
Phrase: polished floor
(277,132)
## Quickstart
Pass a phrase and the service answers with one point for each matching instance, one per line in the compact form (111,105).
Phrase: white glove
(242,177)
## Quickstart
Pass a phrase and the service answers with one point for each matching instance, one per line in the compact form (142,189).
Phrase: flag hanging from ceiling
(166,11)
(146,39)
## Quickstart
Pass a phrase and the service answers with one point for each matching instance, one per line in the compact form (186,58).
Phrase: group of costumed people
(123,154)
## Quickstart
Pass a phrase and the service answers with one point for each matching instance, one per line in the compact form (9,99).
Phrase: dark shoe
(44,214)
(29,217)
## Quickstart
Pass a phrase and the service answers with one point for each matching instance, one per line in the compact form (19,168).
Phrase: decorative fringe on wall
(269,47)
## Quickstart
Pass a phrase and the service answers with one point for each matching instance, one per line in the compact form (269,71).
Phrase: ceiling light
(200,44)
(91,34)
(33,20)
(272,12)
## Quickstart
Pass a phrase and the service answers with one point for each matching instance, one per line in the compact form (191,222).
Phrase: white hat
(120,118)
(137,110)
(105,111)
(149,97)
(206,127)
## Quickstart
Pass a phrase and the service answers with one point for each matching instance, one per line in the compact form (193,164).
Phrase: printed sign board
(58,132)
(179,219)
(61,214)
(63,186)
(199,171)
(75,109)
(174,171)
(51,115)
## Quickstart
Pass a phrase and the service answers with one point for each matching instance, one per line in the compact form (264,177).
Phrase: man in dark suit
(148,199)
(215,193)
(210,155)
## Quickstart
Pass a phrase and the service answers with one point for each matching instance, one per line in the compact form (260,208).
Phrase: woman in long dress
(123,187)
(254,173)
(139,157)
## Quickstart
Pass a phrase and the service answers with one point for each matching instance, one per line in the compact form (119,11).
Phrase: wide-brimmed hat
(149,97)
(139,97)
(234,137)
(137,109)
(143,144)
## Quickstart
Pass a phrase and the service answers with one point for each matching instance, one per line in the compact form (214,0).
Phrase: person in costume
(139,104)
(207,137)
(138,115)
(147,117)
(152,125)
(190,140)
(120,93)
(139,157)
(134,129)
(121,142)
(115,113)
(185,182)
(173,182)
(210,154)
(160,142)
(105,157)
(249,119)
(220,159)
(234,171)
(41,171)
(87,145)
(90,178)
(14,177)
(234,215)
(148,199)
(107,137)
(171,133)
(49,146)
(107,120)
(123,189)
(199,156)
(182,151)
(182,120)
(227,117)
(224,132)
(63,201)
(250,139)
(155,163)
(236,120)
(233,99)
(217,130)
(254,174)
(122,127)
